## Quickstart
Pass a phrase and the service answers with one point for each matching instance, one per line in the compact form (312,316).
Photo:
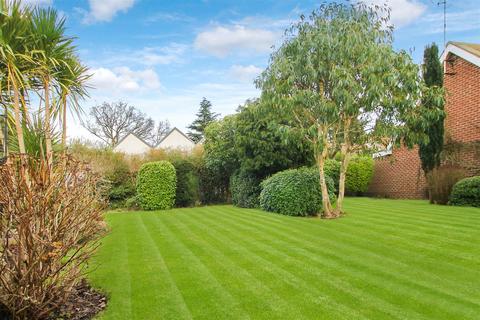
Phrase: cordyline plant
(50,222)
(338,74)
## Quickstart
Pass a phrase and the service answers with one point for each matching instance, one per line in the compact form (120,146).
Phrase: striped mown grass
(386,259)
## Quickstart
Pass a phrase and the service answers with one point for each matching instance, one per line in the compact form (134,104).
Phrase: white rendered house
(175,139)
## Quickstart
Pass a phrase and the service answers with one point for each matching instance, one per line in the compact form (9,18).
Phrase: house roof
(133,134)
(468,51)
(171,131)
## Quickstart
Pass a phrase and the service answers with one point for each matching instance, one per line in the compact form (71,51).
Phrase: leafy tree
(204,117)
(51,49)
(220,152)
(71,79)
(112,121)
(433,76)
(338,74)
(262,149)
(15,61)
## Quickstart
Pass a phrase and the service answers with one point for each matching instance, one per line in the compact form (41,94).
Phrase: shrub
(441,181)
(359,174)
(186,194)
(245,189)
(213,185)
(466,192)
(121,182)
(332,169)
(50,220)
(294,192)
(132,203)
(156,184)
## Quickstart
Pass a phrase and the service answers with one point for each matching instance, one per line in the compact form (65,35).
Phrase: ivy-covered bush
(294,192)
(359,174)
(156,185)
(186,194)
(245,189)
(466,192)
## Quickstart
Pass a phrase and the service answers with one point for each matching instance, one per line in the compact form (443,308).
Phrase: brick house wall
(399,175)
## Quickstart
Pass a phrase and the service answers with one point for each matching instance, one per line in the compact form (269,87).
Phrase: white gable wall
(132,145)
(176,140)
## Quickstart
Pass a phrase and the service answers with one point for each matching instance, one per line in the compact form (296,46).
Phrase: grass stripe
(206,290)
(384,260)
(313,269)
(426,290)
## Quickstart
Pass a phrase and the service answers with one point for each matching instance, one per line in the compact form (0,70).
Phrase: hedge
(186,194)
(156,184)
(466,192)
(294,192)
(245,190)
(359,174)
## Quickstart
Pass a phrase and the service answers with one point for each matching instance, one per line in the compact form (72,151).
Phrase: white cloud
(245,73)
(403,12)
(124,79)
(165,55)
(220,41)
(105,10)
(456,21)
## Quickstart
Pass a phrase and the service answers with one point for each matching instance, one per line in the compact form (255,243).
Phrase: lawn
(386,259)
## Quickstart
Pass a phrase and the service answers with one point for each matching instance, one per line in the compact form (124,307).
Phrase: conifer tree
(204,117)
(432,76)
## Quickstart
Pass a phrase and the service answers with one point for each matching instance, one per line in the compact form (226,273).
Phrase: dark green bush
(466,192)
(121,183)
(245,190)
(359,174)
(294,192)
(187,183)
(156,184)
(213,186)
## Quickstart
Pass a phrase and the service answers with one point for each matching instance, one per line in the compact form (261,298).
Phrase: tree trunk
(48,138)
(64,124)
(327,206)
(18,121)
(341,182)
(343,166)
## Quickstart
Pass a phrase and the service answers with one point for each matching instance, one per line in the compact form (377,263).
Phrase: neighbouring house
(398,172)
(175,139)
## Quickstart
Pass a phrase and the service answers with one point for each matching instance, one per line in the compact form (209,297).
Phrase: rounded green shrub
(466,192)
(187,183)
(294,192)
(156,184)
(359,174)
(245,189)
(332,169)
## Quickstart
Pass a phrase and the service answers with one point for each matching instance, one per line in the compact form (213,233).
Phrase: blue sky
(164,56)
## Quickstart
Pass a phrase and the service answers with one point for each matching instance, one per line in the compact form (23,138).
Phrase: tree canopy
(205,116)
(346,86)
(110,122)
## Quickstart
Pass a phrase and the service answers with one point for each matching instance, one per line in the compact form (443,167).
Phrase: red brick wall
(400,175)
(462,83)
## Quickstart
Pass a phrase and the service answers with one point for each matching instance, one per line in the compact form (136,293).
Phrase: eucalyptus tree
(347,88)
(15,60)
(52,51)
